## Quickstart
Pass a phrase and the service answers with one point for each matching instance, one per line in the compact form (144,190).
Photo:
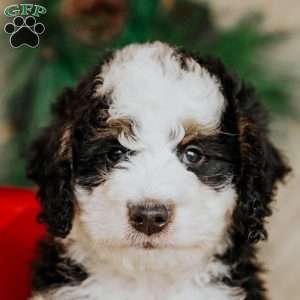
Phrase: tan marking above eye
(195,130)
(115,127)
(121,125)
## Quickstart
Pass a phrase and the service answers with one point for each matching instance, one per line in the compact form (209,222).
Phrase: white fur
(115,289)
(147,86)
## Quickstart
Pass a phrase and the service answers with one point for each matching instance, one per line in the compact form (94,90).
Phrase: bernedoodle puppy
(155,179)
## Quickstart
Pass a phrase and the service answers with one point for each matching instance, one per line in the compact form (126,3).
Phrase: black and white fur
(152,103)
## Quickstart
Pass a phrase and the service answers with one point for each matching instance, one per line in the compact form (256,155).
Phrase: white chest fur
(148,288)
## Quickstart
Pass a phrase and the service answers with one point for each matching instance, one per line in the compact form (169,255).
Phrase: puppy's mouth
(148,245)
(145,245)
(140,241)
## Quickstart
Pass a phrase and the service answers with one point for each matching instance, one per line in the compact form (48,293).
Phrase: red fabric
(19,233)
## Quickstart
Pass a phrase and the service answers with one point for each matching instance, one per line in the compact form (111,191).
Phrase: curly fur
(68,155)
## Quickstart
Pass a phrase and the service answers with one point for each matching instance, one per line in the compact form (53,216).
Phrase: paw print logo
(24,32)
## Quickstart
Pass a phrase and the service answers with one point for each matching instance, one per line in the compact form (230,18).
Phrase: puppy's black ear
(50,166)
(262,166)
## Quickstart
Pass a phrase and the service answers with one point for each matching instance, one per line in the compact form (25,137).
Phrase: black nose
(149,219)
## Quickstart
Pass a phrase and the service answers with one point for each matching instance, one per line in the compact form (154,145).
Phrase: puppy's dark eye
(115,154)
(192,156)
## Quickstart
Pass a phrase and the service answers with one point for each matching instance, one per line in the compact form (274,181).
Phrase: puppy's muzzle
(149,219)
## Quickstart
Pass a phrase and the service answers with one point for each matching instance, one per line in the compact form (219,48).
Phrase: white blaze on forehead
(147,84)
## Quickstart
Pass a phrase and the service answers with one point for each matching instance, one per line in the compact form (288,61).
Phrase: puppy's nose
(149,219)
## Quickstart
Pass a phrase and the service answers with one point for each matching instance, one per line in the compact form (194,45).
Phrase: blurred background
(259,40)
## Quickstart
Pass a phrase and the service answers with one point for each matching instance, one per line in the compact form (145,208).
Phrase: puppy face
(155,150)
(160,146)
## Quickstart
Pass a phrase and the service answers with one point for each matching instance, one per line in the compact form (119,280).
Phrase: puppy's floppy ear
(262,166)
(50,166)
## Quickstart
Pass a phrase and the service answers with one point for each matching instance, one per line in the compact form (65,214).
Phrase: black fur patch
(91,162)
(53,270)
(219,158)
